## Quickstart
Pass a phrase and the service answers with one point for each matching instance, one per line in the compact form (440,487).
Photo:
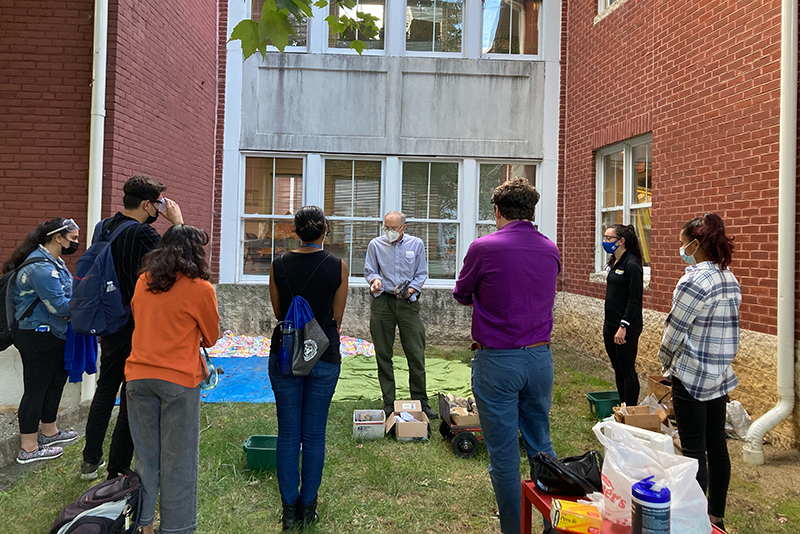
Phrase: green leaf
(335,25)
(349,4)
(370,31)
(321,3)
(276,28)
(292,7)
(305,7)
(358,46)
(246,32)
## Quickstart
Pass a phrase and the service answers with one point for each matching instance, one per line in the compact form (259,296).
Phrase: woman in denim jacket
(41,294)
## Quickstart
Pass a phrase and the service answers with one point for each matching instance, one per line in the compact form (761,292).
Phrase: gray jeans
(165,426)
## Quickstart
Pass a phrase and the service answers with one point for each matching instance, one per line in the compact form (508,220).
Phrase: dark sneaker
(42,453)
(62,436)
(429,412)
(89,471)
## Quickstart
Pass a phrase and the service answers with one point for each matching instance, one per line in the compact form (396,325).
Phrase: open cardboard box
(640,417)
(662,392)
(408,430)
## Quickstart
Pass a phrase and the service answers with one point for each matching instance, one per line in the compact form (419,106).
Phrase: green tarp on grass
(359,379)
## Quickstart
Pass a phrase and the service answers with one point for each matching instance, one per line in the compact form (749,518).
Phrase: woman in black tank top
(303,401)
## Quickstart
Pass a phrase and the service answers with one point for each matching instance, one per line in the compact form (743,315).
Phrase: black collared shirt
(624,285)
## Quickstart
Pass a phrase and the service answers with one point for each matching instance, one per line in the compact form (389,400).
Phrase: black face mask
(71,249)
(151,218)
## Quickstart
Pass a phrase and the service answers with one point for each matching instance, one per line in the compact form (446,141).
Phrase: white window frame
(515,57)
(627,147)
(465,5)
(246,217)
(537,185)
(388,18)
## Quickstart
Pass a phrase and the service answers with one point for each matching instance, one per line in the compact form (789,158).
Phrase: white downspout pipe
(96,134)
(787,204)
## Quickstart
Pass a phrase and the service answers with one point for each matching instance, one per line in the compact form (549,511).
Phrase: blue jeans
(512,389)
(302,403)
(165,426)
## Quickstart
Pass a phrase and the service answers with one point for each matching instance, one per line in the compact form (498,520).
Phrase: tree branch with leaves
(274,28)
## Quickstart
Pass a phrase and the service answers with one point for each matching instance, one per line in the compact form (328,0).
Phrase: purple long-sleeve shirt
(510,279)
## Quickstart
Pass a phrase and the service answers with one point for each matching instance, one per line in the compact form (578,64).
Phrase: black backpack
(8,322)
(111,507)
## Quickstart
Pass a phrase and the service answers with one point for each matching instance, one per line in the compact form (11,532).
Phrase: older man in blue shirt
(396,269)
(509,277)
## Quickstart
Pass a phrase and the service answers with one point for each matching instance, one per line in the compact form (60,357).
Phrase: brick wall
(161,108)
(45,101)
(703,77)
(219,137)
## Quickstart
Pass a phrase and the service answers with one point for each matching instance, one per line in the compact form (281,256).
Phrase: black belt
(476,346)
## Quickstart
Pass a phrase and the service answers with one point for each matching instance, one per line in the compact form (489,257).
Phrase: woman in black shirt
(302,402)
(623,309)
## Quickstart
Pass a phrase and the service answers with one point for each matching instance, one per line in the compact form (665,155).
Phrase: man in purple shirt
(509,278)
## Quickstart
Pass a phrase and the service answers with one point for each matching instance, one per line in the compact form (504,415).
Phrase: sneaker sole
(94,474)
(59,441)
(39,459)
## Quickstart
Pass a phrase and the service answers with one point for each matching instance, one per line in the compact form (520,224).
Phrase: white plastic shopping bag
(627,461)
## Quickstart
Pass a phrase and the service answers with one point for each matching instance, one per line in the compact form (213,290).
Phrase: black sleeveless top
(293,276)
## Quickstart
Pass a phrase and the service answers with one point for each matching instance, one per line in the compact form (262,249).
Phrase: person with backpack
(143,200)
(175,310)
(302,402)
(40,295)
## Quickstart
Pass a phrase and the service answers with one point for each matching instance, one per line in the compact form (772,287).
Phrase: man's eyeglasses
(393,228)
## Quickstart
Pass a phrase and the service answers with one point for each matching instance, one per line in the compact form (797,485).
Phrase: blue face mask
(610,247)
(687,258)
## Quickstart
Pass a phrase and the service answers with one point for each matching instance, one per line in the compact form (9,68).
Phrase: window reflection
(376,8)
(433,25)
(511,27)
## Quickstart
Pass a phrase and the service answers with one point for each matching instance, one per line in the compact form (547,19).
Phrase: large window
(353,206)
(624,185)
(434,25)
(376,8)
(430,202)
(511,27)
(490,176)
(273,191)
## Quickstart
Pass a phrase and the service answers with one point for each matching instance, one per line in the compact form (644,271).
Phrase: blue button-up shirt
(49,280)
(394,263)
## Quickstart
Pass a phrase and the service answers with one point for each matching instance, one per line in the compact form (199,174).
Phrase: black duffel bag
(574,476)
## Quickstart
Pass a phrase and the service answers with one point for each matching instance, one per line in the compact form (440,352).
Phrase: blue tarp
(244,380)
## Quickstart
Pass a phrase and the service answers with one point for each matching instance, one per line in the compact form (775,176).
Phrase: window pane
(511,26)
(265,178)
(492,175)
(642,159)
(348,240)
(372,7)
(415,189)
(485,229)
(441,245)
(433,25)
(263,240)
(613,177)
(430,190)
(352,188)
(300,37)
(640,219)
(609,218)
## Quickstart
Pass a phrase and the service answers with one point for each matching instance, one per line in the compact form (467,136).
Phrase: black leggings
(701,425)
(43,376)
(623,360)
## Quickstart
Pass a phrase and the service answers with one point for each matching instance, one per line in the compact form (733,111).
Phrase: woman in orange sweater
(175,312)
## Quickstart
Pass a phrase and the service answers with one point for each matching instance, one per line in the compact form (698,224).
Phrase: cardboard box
(662,392)
(408,430)
(640,417)
(369,429)
(470,419)
(570,516)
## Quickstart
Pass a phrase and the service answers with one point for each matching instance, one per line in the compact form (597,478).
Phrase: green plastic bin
(601,403)
(260,451)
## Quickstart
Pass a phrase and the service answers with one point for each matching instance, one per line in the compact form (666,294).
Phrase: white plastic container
(650,508)
(369,429)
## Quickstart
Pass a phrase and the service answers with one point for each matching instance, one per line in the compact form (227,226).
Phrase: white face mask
(392,235)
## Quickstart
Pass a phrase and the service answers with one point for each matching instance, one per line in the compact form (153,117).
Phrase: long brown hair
(180,251)
(36,237)
(709,230)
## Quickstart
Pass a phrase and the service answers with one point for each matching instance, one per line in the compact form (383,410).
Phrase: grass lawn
(377,486)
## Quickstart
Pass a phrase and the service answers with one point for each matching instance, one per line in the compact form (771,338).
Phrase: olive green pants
(388,312)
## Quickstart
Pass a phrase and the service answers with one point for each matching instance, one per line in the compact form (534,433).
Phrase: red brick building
(160,104)
(679,103)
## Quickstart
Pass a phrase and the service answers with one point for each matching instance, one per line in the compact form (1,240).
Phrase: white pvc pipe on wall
(96,133)
(787,207)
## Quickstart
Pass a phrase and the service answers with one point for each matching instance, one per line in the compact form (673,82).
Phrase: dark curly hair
(709,230)
(516,199)
(39,236)
(627,232)
(180,251)
(140,188)
(310,223)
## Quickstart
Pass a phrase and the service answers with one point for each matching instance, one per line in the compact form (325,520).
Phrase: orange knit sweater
(168,330)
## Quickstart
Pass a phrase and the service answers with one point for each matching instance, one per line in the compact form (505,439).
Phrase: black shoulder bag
(573,476)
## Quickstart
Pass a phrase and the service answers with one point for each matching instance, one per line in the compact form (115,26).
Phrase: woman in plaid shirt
(701,338)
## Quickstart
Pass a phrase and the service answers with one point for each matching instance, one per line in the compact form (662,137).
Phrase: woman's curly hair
(180,251)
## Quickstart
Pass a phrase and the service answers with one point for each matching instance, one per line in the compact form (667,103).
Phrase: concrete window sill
(607,11)
(600,278)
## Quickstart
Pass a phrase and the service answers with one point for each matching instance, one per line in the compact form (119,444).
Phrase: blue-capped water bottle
(286,351)
(650,508)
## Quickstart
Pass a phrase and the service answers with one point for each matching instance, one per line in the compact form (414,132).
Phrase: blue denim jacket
(51,281)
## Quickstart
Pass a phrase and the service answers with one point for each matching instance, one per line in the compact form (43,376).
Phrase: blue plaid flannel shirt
(701,333)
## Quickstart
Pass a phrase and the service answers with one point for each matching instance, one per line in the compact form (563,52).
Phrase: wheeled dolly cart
(464,442)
